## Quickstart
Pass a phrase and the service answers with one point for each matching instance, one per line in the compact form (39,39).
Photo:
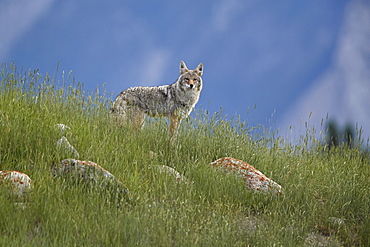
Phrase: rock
(336,221)
(249,224)
(64,129)
(317,239)
(88,172)
(172,172)
(254,179)
(18,182)
(65,148)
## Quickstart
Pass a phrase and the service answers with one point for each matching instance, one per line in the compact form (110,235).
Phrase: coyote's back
(174,101)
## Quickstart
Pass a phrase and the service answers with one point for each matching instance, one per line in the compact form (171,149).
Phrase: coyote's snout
(174,101)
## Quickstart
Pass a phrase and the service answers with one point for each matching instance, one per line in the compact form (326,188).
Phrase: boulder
(88,172)
(171,172)
(18,182)
(64,129)
(254,179)
(65,148)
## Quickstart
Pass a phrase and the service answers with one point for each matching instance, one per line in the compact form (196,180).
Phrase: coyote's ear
(199,69)
(183,68)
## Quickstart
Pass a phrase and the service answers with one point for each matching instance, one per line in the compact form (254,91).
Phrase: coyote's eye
(195,80)
(186,79)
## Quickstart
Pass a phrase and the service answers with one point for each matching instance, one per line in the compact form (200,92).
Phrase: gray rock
(65,148)
(172,172)
(254,179)
(17,182)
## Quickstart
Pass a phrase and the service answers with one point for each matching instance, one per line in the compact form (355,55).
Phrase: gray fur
(175,101)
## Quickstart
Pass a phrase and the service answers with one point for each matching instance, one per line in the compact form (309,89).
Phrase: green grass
(216,209)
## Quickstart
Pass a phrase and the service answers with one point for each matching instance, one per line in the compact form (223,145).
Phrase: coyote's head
(191,79)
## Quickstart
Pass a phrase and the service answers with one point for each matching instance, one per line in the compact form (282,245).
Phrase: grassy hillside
(326,197)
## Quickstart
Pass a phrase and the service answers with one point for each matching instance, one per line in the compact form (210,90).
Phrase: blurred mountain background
(284,64)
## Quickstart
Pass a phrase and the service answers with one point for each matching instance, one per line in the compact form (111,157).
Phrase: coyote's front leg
(174,126)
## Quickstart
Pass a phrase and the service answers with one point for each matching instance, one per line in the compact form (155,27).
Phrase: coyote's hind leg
(136,118)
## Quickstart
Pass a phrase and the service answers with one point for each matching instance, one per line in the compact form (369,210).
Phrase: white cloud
(224,12)
(154,68)
(16,17)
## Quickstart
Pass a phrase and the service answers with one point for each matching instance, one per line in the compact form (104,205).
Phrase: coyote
(174,101)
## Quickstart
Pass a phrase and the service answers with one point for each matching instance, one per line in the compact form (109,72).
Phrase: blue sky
(267,54)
